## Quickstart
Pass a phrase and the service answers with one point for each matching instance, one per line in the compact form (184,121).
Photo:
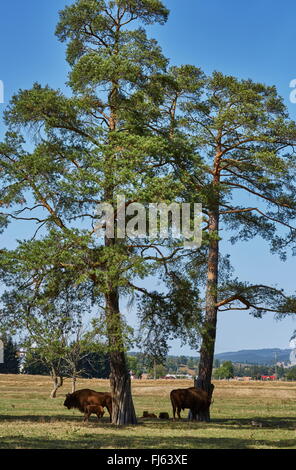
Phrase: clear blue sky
(254,39)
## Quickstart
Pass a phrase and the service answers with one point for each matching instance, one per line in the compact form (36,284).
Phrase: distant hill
(246,356)
(256,356)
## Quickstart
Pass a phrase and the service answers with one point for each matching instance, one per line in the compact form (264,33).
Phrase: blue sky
(246,39)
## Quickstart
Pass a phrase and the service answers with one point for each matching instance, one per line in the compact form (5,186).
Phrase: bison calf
(93,409)
(88,402)
(196,400)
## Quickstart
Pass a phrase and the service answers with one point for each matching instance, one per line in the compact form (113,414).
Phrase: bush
(291,374)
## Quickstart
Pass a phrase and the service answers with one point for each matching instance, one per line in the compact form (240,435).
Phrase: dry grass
(251,415)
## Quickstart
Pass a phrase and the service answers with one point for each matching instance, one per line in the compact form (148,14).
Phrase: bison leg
(178,412)
(87,414)
(193,415)
(174,412)
(109,408)
(100,414)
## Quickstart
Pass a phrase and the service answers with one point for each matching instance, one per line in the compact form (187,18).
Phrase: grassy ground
(250,415)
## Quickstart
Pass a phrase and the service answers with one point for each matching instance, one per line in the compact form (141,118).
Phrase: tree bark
(74,379)
(202,415)
(210,321)
(123,411)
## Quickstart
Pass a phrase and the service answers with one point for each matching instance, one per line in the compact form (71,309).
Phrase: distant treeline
(96,365)
(93,365)
(189,365)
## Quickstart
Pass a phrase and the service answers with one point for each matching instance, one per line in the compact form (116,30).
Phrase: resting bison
(195,399)
(88,402)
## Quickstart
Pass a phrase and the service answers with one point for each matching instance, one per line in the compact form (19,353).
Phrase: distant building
(243,379)
(132,375)
(268,377)
(21,353)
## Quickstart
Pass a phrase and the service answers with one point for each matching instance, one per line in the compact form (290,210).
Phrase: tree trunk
(57,383)
(210,321)
(202,415)
(74,379)
(123,411)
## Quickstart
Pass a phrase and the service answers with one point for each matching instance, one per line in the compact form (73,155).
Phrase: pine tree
(244,174)
(88,149)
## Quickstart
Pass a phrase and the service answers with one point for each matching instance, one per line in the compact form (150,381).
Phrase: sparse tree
(225,371)
(79,346)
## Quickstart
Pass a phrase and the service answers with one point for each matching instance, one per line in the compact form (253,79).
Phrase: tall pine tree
(246,183)
(89,148)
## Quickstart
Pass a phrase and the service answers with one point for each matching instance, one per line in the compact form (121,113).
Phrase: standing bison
(195,399)
(88,402)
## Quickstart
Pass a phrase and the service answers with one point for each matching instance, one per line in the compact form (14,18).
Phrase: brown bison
(93,409)
(195,399)
(88,402)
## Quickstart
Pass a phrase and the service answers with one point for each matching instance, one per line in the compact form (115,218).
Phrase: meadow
(244,415)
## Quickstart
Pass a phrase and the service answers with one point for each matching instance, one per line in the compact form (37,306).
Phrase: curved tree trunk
(57,383)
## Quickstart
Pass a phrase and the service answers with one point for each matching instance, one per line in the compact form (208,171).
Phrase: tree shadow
(53,418)
(283,422)
(122,442)
(113,437)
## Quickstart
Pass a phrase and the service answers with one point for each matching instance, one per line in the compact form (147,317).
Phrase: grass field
(245,415)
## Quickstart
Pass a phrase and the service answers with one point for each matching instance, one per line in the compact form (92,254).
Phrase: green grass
(252,415)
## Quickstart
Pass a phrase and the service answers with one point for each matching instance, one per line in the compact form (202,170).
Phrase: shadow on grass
(265,422)
(112,441)
(121,437)
(248,423)
(78,419)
